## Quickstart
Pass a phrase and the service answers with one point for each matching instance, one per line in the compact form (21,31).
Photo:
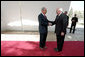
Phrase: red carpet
(29,48)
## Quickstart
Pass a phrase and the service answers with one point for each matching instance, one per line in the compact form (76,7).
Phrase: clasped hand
(49,24)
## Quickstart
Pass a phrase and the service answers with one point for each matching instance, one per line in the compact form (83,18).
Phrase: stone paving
(34,36)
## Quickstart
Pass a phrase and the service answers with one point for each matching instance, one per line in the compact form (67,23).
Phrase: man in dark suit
(74,21)
(60,28)
(43,27)
(67,18)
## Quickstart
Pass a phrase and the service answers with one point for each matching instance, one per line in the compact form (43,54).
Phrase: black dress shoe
(41,48)
(55,49)
(73,32)
(45,47)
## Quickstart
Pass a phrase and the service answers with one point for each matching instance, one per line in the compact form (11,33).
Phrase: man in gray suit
(60,28)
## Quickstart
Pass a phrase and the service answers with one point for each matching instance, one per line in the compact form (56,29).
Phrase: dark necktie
(45,16)
(57,16)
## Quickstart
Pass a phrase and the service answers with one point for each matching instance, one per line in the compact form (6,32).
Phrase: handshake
(49,24)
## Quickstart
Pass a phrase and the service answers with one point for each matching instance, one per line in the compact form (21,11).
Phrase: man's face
(66,13)
(57,11)
(44,11)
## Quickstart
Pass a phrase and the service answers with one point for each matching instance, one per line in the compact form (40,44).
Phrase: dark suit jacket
(76,20)
(60,24)
(67,20)
(43,23)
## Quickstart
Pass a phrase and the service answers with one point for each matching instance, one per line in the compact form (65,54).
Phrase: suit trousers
(43,37)
(60,42)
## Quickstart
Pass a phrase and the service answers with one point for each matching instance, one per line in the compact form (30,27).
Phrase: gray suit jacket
(60,24)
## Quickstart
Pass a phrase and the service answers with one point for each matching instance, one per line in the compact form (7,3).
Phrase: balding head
(44,10)
(59,10)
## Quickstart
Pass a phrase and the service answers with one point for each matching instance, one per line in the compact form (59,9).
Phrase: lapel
(58,18)
(44,17)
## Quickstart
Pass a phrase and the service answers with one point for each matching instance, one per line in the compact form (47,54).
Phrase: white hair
(60,9)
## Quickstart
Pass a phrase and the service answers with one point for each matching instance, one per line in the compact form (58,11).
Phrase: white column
(21,16)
